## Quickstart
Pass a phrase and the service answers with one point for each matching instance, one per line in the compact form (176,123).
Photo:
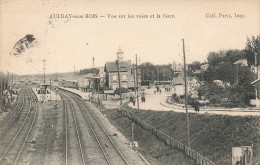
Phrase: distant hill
(52,76)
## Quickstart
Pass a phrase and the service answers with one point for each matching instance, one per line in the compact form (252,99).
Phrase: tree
(212,92)
(151,72)
(246,76)
(123,90)
(195,65)
(252,47)
(237,95)
(215,57)
(211,74)
(234,55)
(221,65)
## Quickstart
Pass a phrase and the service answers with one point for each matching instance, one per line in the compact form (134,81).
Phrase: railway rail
(80,112)
(2,122)
(13,147)
(13,115)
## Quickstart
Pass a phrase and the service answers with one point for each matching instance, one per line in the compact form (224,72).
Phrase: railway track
(96,134)
(13,115)
(73,151)
(2,122)
(13,148)
(12,122)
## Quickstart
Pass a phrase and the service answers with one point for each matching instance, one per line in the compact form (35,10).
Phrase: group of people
(158,90)
(132,99)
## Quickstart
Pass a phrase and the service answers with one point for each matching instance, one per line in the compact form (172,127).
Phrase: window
(124,85)
(114,77)
(124,77)
(114,86)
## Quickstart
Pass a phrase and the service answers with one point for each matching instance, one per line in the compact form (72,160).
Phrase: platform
(52,96)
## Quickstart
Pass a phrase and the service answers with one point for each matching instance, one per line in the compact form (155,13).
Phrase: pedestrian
(154,92)
(196,106)
(131,99)
(134,101)
(160,91)
(142,98)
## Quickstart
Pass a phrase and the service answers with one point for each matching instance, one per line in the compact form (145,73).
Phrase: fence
(199,159)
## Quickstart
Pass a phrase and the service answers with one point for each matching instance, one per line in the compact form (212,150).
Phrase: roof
(242,61)
(197,72)
(112,66)
(70,80)
(180,79)
(89,70)
(88,75)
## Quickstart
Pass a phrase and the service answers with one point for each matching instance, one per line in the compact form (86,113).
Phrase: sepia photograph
(117,82)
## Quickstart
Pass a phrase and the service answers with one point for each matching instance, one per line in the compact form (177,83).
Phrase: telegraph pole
(12,87)
(137,82)
(119,83)
(98,83)
(163,73)
(146,74)
(134,78)
(143,72)
(93,62)
(256,87)
(186,96)
(93,66)
(157,75)
(50,85)
(44,81)
(1,86)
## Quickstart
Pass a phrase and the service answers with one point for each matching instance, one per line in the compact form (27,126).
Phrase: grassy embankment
(213,136)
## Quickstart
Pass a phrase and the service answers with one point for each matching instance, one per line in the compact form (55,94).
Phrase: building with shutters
(126,72)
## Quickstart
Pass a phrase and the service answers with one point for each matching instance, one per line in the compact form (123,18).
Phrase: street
(157,102)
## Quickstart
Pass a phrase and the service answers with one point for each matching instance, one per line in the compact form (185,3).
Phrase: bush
(123,90)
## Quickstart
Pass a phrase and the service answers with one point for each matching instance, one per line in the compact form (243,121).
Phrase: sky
(66,43)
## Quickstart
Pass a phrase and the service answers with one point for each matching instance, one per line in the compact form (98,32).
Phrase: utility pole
(256,86)
(163,73)
(98,83)
(93,62)
(157,75)
(119,83)
(1,85)
(50,88)
(12,87)
(146,74)
(134,77)
(50,85)
(137,82)
(143,72)
(93,66)
(44,81)
(186,96)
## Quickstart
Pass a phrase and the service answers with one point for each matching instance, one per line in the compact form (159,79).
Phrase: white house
(193,84)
